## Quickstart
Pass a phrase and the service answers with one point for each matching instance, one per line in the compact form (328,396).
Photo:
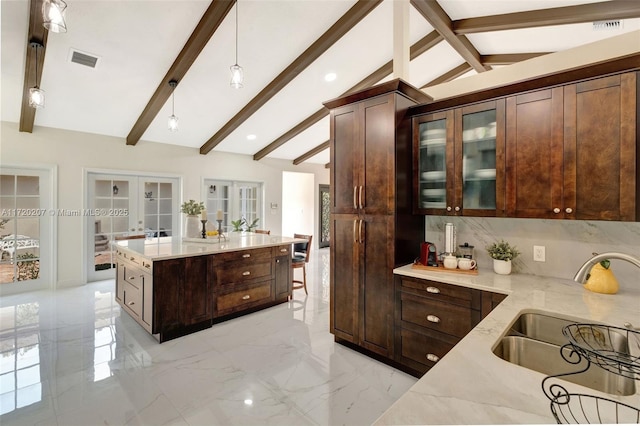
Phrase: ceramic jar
(502,267)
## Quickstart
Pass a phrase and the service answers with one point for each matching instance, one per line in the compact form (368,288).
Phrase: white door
(125,206)
(26,229)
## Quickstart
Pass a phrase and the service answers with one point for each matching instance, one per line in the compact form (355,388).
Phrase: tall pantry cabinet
(372,226)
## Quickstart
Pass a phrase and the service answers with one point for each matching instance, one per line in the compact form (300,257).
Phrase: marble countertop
(163,248)
(471,385)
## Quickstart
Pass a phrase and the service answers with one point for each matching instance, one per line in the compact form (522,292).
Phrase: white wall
(73,152)
(299,210)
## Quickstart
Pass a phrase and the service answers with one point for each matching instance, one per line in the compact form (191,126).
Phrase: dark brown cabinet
(431,317)
(372,226)
(572,151)
(459,161)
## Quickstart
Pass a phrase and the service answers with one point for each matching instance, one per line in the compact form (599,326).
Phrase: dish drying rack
(593,343)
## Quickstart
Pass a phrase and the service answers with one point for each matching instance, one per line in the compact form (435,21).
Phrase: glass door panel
(479,160)
(25,229)
(432,176)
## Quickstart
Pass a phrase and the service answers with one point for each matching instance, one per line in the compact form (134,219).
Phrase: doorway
(123,206)
(297,203)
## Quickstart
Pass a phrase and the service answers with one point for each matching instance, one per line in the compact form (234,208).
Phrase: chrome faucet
(584,269)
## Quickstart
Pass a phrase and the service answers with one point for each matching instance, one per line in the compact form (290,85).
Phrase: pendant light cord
(36,47)
(237,32)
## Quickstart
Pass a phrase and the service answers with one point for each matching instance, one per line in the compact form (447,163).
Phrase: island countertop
(163,248)
(471,385)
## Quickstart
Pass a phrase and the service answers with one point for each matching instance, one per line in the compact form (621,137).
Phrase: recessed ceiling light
(251,137)
(248,401)
(330,76)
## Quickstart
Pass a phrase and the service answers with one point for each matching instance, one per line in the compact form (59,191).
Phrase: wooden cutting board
(441,268)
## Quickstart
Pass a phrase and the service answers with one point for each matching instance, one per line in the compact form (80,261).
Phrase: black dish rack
(594,344)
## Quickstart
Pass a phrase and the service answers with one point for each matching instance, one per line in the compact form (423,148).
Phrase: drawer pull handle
(246,297)
(246,255)
(284,250)
(433,358)
(433,318)
(131,303)
(132,278)
(245,273)
(146,265)
(132,258)
(434,290)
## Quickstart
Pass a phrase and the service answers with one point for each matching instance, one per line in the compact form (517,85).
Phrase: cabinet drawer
(281,250)
(463,296)
(132,299)
(236,272)
(248,256)
(440,316)
(249,295)
(134,275)
(421,348)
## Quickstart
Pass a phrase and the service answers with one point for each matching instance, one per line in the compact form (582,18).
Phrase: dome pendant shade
(237,76)
(36,97)
(53,15)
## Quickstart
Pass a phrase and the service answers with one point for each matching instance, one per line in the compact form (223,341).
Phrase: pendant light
(237,76)
(53,15)
(173,120)
(36,94)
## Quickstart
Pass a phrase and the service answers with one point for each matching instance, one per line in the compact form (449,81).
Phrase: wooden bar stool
(300,259)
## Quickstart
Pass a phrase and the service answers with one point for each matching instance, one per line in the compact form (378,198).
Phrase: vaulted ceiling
(286,48)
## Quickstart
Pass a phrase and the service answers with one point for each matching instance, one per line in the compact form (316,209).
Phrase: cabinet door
(344,278)
(283,276)
(377,171)
(433,162)
(534,154)
(479,159)
(345,148)
(375,246)
(600,149)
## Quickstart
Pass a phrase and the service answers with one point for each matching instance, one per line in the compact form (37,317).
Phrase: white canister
(450,262)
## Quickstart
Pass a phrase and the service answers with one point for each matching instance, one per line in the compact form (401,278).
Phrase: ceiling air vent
(614,24)
(84,59)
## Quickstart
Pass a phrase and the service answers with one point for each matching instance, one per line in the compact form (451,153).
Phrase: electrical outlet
(538,253)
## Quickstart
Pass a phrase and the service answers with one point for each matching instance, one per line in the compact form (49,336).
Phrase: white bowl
(433,175)
(434,192)
(485,173)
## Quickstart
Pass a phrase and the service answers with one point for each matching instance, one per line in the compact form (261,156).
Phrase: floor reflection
(71,357)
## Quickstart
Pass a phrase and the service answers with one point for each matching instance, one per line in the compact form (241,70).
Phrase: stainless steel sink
(534,341)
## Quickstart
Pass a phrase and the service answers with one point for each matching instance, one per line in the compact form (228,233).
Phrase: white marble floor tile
(71,357)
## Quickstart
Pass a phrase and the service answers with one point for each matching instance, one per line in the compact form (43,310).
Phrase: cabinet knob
(433,318)
(433,357)
(277,260)
(246,255)
(448,208)
(556,210)
(246,297)
(132,229)
(245,273)
(434,290)
(457,209)
(568,210)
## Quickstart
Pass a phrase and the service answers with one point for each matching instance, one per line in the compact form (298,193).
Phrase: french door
(26,229)
(126,206)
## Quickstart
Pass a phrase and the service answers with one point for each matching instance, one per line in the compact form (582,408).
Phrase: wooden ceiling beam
(38,34)
(553,16)
(509,58)
(209,23)
(318,149)
(417,49)
(313,52)
(449,75)
(440,21)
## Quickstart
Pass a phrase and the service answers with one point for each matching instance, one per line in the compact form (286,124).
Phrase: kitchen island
(472,385)
(174,287)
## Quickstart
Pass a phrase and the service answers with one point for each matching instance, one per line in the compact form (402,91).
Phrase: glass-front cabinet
(459,161)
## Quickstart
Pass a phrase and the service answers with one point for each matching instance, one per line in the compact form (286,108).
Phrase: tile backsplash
(568,243)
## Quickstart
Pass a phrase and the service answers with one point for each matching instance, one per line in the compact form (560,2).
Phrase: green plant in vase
(502,254)
(251,226)
(237,225)
(192,207)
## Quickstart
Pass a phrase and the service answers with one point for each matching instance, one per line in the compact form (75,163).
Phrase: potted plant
(192,209)
(502,254)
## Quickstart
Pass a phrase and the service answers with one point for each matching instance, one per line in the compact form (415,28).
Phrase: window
(237,200)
